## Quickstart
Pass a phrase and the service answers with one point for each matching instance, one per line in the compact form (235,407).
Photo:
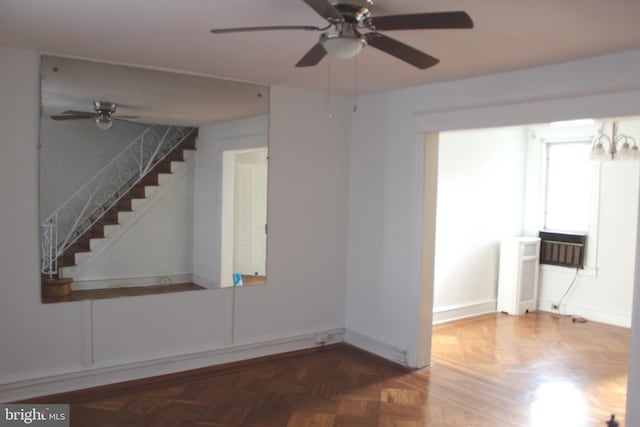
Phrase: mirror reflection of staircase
(145,161)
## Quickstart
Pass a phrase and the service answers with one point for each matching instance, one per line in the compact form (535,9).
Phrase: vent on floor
(563,249)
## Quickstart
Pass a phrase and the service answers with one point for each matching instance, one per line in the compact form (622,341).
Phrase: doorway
(244,217)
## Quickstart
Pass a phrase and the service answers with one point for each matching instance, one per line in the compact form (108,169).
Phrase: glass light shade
(635,153)
(343,46)
(625,152)
(104,121)
(598,153)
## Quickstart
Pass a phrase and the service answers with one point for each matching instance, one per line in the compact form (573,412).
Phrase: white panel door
(251,219)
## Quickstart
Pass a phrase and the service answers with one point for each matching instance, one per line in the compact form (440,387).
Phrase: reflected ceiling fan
(103,115)
(344,36)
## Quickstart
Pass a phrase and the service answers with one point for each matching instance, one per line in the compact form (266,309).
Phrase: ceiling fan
(103,115)
(343,37)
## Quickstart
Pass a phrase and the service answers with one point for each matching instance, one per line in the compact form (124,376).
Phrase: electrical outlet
(555,307)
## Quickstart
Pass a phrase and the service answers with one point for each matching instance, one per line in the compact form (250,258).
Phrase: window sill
(588,270)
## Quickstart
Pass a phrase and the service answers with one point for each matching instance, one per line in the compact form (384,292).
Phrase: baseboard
(128,282)
(614,319)
(462,311)
(203,281)
(376,347)
(99,376)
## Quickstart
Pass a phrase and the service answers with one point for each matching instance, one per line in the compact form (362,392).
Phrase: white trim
(528,109)
(68,381)
(614,319)
(128,282)
(590,271)
(376,347)
(463,311)
(203,281)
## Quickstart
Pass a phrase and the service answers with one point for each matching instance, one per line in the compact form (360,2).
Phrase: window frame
(544,138)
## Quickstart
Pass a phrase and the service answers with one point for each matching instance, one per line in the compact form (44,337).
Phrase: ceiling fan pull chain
(329,115)
(355,84)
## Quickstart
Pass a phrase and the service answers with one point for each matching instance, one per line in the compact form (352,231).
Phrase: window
(568,195)
(570,184)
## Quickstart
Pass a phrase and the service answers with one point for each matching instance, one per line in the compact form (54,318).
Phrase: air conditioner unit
(518,276)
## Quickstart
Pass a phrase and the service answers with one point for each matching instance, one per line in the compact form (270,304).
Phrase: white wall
(72,152)
(57,347)
(480,201)
(36,339)
(307,217)
(386,177)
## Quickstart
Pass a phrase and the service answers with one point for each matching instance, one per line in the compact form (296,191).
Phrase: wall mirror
(150,181)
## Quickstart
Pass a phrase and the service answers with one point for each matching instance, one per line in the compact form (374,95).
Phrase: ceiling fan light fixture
(104,121)
(104,111)
(343,46)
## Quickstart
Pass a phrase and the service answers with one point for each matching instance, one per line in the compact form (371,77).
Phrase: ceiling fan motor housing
(354,11)
(103,107)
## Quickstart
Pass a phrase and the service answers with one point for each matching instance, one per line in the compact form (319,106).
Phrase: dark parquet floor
(536,370)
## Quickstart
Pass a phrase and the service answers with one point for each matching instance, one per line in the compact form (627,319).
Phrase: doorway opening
(244,217)
(490,184)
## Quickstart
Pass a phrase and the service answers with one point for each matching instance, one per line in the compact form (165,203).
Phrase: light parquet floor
(536,370)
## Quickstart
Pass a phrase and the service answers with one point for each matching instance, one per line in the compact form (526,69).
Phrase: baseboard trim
(613,319)
(101,376)
(376,347)
(203,281)
(463,311)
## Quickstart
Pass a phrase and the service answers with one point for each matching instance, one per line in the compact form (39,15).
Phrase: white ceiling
(169,34)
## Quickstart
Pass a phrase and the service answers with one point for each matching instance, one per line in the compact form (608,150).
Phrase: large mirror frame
(150,181)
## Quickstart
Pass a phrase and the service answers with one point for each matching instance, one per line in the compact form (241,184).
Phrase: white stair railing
(86,206)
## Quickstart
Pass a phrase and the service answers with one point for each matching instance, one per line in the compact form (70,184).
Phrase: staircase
(152,162)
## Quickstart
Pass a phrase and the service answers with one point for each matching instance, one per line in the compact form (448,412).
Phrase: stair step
(162,167)
(66,260)
(79,246)
(190,142)
(96,231)
(149,179)
(123,216)
(176,155)
(54,288)
(137,192)
(124,204)
(110,217)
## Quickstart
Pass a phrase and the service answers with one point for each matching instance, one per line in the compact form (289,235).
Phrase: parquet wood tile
(533,370)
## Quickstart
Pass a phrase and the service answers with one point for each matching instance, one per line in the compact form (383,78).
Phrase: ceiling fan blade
(401,51)
(125,117)
(421,21)
(80,113)
(313,57)
(266,28)
(73,115)
(325,9)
